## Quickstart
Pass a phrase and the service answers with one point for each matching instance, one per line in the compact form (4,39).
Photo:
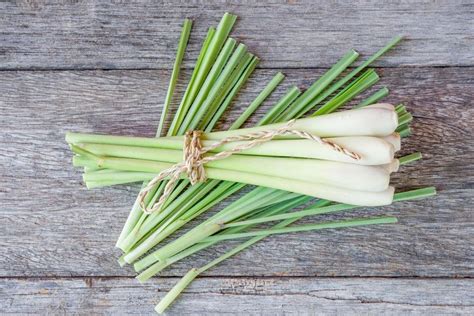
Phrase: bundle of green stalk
(290,172)
(300,166)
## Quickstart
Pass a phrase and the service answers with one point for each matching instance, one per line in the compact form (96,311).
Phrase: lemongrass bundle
(359,181)
(288,171)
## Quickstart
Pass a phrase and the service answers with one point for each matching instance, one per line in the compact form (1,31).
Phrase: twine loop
(193,160)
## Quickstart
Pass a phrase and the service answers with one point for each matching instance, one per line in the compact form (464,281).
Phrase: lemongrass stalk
(290,96)
(213,224)
(276,80)
(173,224)
(141,246)
(174,205)
(322,83)
(187,201)
(342,174)
(337,194)
(410,158)
(402,127)
(326,93)
(418,193)
(215,45)
(266,211)
(358,122)
(215,72)
(312,210)
(368,79)
(302,228)
(136,212)
(193,273)
(236,88)
(401,109)
(206,115)
(123,177)
(186,99)
(374,98)
(373,150)
(183,41)
(176,290)
(213,88)
(182,44)
(404,132)
(329,192)
(405,118)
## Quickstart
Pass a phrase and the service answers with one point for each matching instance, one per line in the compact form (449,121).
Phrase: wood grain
(143,34)
(243,296)
(55,227)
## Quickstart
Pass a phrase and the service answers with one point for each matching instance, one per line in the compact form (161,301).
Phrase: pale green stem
(326,93)
(302,228)
(193,273)
(292,94)
(183,41)
(232,94)
(419,193)
(277,79)
(319,85)
(267,211)
(374,98)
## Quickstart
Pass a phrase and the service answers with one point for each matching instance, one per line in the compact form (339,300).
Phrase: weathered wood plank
(144,34)
(54,227)
(242,296)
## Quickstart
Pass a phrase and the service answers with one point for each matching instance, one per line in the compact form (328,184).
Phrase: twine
(193,160)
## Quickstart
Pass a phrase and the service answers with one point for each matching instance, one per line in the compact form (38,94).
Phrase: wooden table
(92,66)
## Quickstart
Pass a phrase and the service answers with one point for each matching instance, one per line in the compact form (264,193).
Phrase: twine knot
(194,160)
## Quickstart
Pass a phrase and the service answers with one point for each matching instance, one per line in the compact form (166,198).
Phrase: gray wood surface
(57,237)
(434,236)
(245,296)
(143,34)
